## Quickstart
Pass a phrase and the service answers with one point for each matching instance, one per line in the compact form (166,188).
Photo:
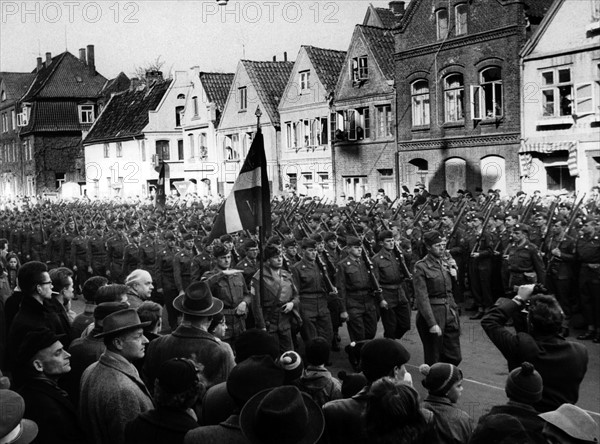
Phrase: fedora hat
(282,415)
(121,321)
(198,301)
(13,428)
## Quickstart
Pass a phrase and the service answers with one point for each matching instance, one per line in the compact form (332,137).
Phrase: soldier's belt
(521,271)
(438,301)
(358,293)
(391,287)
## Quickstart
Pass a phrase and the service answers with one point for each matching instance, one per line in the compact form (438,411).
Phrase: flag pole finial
(258,115)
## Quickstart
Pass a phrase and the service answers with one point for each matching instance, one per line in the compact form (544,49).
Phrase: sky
(182,34)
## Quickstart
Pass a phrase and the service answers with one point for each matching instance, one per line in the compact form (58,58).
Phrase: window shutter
(584,99)
(476,102)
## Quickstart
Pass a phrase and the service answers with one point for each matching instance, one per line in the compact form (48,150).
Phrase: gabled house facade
(16,165)
(305,158)
(137,130)
(204,105)
(560,149)
(55,113)
(388,18)
(459,92)
(255,84)
(364,131)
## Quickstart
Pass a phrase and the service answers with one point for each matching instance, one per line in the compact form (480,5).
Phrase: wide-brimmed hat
(282,415)
(121,321)
(13,428)
(198,301)
(573,421)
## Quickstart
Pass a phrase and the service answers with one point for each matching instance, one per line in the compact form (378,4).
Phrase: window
(13,120)
(455,170)
(307,181)
(323,179)
(106,150)
(360,69)
(323,136)
(243,97)
(59,179)
(178,115)
(192,147)
(180,149)
(460,13)
(289,135)
(3,95)
(195,104)
(332,126)
(143,148)
(293,178)
(203,146)
(26,150)
(355,187)
(486,98)
(384,121)
(441,17)
(420,103)
(163,150)
(119,149)
(181,97)
(86,113)
(304,84)
(4,123)
(557,92)
(584,99)
(454,95)
(232,147)
(358,123)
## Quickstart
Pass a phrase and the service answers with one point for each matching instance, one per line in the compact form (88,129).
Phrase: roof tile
(217,85)
(327,63)
(381,42)
(16,83)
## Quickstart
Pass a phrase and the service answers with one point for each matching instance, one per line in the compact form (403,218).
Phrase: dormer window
(243,98)
(441,17)
(360,69)
(304,85)
(460,14)
(86,114)
(178,115)
(181,97)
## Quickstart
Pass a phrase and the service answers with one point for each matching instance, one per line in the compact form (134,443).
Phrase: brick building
(16,173)
(458,92)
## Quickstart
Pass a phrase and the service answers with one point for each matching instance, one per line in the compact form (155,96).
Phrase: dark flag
(249,204)
(161,196)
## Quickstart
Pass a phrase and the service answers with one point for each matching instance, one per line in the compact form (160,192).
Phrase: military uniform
(229,286)
(248,267)
(396,318)
(182,269)
(559,279)
(278,289)
(313,300)
(525,265)
(97,252)
(115,248)
(357,298)
(166,282)
(79,258)
(435,303)
(131,258)
(588,254)
(480,269)
(55,250)
(201,263)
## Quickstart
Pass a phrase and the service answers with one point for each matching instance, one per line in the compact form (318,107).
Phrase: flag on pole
(249,204)
(161,197)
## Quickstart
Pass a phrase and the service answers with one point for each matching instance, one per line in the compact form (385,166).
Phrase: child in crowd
(444,384)
(316,380)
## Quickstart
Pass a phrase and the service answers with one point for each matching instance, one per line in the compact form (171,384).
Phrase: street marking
(494,387)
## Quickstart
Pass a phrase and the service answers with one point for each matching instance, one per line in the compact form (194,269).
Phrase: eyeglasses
(45,283)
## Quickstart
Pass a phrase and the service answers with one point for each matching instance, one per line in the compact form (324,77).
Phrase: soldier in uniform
(67,240)
(480,245)
(227,242)
(249,264)
(149,249)
(390,275)
(81,266)
(55,249)
(290,253)
(203,261)
(273,308)
(131,254)
(313,294)
(182,264)
(166,279)
(229,286)
(331,257)
(357,295)
(524,260)
(96,251)
(35,248)
(559,279)
(437,318)
(115,247)
(587,252)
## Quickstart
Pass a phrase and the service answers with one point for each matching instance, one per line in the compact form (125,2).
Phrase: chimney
(82,58)
(397,7)
(40,64)
(91,60)
(134,83)
(48,59)
(153,76)
(285,56)
(274,58)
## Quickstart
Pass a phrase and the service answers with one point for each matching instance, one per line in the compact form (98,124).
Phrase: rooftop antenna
(66,46)
(39,48)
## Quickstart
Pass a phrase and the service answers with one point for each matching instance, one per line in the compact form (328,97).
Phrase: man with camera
(562,364)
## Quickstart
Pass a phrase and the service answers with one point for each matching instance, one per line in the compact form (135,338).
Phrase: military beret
(290,243)
(309,243)
(364,219)
(432,237)
(317,237)
(353,241)
(285,230)
(226,238)
(276,240)
(385,234)
(220,250)
(479,216)
(271,251)
(329,236)
(188,236)
(135,234)
(250,243)
(521,227)
(151,227)
(169,235)
(316,217)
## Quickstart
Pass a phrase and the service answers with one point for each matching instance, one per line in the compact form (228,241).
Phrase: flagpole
(261,233)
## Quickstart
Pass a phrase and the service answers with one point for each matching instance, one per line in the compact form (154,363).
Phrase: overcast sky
(127,34)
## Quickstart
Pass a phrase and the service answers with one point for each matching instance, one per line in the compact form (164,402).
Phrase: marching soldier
(437,320)
(524,260)
(481,247)
(389,273)
(166,278)
(203,261)
(131,254)
(588,254)
(290,252)
(96,251)
(79,260)
(149,249)
(115,247)
(310,283)
(249,264)
(182,264)
(229,286)
(357,295)
(273,309)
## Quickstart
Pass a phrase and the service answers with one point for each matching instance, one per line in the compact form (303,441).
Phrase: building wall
(576,50)
(57,154)
(495,34)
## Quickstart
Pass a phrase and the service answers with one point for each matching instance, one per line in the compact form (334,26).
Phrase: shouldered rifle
(546,231)
(421,211)
(328,284)
(461,214)
(570,223)
(528,209)
(480,235)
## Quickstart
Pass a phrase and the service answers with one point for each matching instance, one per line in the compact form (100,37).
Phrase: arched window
(420,102)
(493,173)
(454,98)
(442,23)
(460,14)
(181,97)
(487,100)
(455,170)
